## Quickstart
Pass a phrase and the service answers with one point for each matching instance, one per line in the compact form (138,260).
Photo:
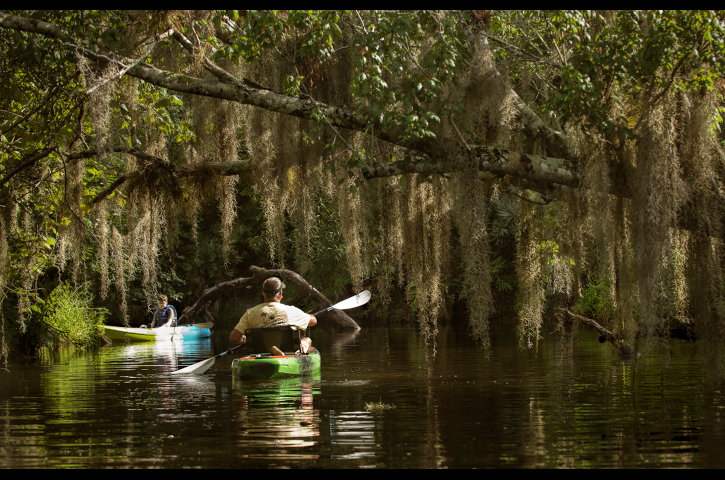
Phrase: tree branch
(29,160)
(237,167)
(492,160)
(537,173)
(623,349)
(510,47)
(259,275)
(32,112)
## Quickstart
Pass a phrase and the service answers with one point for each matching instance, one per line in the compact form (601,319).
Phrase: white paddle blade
(197,368)
(360,299)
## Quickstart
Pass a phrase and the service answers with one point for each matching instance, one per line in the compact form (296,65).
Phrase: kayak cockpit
(266,365)
(260,340)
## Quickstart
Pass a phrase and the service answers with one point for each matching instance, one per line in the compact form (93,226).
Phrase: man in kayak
(273,313)
(165,315)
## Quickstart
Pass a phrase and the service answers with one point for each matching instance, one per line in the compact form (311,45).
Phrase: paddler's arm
(237,337)
(313,321)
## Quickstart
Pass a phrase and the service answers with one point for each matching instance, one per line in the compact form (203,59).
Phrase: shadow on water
(567,402)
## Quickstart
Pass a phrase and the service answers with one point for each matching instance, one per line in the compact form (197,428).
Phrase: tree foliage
(604,126)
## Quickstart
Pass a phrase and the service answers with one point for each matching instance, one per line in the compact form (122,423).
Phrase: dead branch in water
(624,350)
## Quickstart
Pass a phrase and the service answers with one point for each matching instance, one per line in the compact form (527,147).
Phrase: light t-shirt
(272,314)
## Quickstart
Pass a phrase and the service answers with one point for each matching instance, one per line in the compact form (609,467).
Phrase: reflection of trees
(567,404)
(601,411)
(21,449)
(435,455)
(412,435)
(84,391)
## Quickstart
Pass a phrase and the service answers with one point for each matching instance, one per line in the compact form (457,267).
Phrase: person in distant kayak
(165,315)
(273,313)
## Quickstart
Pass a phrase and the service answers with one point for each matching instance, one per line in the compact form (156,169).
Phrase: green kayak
(266,365)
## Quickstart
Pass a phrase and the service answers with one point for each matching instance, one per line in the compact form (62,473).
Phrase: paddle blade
(204,325)
(360,299)
(197,368)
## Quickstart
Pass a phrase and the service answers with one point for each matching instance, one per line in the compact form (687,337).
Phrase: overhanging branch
(488,159)
(24,163)
(237,167)
(227,87)
(537,173)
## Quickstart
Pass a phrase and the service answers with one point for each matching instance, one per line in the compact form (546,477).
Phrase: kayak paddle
(360,299)
(204,365)
(198,368)
(202,325)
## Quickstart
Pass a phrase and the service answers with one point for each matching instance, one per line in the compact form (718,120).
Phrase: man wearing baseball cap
(273,313)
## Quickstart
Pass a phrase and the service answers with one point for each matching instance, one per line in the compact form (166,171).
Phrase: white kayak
(183,332)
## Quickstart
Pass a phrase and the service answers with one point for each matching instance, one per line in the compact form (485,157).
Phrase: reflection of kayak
(153,334)
(266,365)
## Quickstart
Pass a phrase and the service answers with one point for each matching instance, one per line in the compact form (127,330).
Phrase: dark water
(567,403)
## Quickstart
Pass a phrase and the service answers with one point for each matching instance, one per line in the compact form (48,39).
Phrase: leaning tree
(604,125)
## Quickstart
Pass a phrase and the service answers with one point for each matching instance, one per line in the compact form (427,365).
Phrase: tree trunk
(259,276)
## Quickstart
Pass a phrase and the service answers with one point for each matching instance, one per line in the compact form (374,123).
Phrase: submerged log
(624,350)
(259,275)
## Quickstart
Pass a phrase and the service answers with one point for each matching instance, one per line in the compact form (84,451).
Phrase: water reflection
(170,355)
(355,430)
(568,403)
(276,419)
(343,341)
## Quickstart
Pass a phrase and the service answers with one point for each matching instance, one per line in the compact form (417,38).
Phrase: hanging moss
(528,270)
(471,214)
(621,240)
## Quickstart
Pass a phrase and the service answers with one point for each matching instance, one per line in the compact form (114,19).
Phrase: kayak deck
(154,334)
(266,365)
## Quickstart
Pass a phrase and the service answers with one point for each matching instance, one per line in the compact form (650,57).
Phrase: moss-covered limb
(259,276)
(228,87)
(492,160)
(623,349)
(540,174)
(236,167)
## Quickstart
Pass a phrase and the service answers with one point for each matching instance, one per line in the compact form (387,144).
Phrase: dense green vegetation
(465,166)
